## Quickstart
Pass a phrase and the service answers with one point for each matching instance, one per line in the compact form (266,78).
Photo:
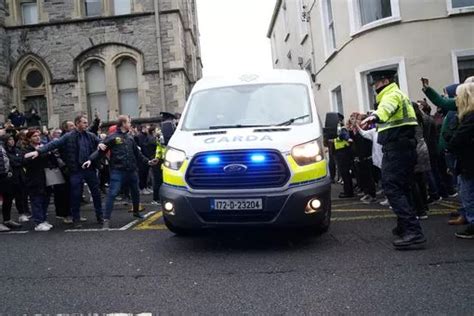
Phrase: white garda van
(248,151)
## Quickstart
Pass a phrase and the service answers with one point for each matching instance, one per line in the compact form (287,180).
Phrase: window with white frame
(328,26)
(365,92)
(367,14)
(92,7)
(458,4)
(96,90)
(128,87)
(465,67)
(373,10)
(121,7)
(29,12)
(337,103)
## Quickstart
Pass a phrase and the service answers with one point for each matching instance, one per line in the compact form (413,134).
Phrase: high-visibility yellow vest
(394,109)
(160,151)
(340,143)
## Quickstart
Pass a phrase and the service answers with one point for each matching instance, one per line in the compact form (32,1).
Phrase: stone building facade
(340,41)
(65,57)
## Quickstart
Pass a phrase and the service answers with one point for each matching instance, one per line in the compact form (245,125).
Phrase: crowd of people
(120,161)
(401,150)
(444,146)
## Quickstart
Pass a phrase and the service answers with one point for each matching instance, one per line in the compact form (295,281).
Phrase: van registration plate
(236,204)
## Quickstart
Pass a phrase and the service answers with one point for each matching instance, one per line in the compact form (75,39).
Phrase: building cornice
(274,16)
(80,20)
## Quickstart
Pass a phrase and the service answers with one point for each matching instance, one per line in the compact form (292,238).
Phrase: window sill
(456,11)
(376,24)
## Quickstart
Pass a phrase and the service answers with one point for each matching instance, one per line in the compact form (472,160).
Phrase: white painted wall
(425,40)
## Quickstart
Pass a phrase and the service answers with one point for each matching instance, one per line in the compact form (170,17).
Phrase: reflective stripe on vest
(406,120)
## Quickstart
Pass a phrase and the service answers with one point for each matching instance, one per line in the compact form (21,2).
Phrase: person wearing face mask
(396,122)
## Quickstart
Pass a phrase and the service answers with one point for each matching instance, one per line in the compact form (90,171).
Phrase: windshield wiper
(292,120)
(236,126)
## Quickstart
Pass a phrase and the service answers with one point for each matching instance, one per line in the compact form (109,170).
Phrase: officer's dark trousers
(344,163)
(397,181)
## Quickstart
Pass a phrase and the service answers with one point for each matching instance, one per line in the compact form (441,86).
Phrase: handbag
(54,176)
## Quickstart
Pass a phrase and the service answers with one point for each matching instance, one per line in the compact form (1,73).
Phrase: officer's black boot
(397,231)
(410,241)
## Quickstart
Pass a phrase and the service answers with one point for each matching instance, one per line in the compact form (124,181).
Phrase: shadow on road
(245,239)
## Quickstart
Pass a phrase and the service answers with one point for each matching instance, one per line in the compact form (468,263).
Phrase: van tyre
(322,227)
(177,230)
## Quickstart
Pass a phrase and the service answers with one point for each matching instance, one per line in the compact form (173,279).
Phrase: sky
(233,35)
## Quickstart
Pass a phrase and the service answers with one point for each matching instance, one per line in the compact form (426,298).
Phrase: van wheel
(323,226)
(177,230)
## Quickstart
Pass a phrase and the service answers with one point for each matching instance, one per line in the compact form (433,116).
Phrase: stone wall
(64,41)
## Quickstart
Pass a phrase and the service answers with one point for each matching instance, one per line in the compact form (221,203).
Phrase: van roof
(271,76)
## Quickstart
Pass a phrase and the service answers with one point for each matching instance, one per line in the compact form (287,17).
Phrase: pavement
(140,267)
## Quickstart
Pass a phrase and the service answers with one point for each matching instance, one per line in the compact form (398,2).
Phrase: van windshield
(248,106)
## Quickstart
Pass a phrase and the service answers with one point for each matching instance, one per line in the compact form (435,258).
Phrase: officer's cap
(167,116)
(382,74)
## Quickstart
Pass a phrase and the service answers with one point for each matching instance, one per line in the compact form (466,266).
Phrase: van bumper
(280,209)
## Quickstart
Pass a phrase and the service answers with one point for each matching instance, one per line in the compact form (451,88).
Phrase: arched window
(128,87)
(96,90)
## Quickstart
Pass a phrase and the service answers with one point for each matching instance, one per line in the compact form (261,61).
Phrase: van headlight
(174,158)
(307,153)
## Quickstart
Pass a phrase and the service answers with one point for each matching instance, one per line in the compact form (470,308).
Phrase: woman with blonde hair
(461,144)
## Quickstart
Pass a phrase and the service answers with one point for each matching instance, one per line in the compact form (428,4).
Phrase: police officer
(396,122)
(157,170)
(343,154)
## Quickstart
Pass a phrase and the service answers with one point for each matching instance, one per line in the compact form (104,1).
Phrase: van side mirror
(330,125)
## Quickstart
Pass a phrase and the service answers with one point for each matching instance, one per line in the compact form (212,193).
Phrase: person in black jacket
(33,119)
(147,143)
(36,181)
(124,159)
(16,118)
(14,186)
(461,144)
(76,147)
(362,148)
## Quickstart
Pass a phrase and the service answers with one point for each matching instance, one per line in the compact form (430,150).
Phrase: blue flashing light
(257,158)
(212,160)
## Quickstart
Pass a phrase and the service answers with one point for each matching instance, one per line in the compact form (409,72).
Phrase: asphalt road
(145,268)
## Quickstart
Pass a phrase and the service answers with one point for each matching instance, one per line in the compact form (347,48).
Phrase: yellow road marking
(148,223)
(451,205)
(367,217)
(349,210)
(336,204)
